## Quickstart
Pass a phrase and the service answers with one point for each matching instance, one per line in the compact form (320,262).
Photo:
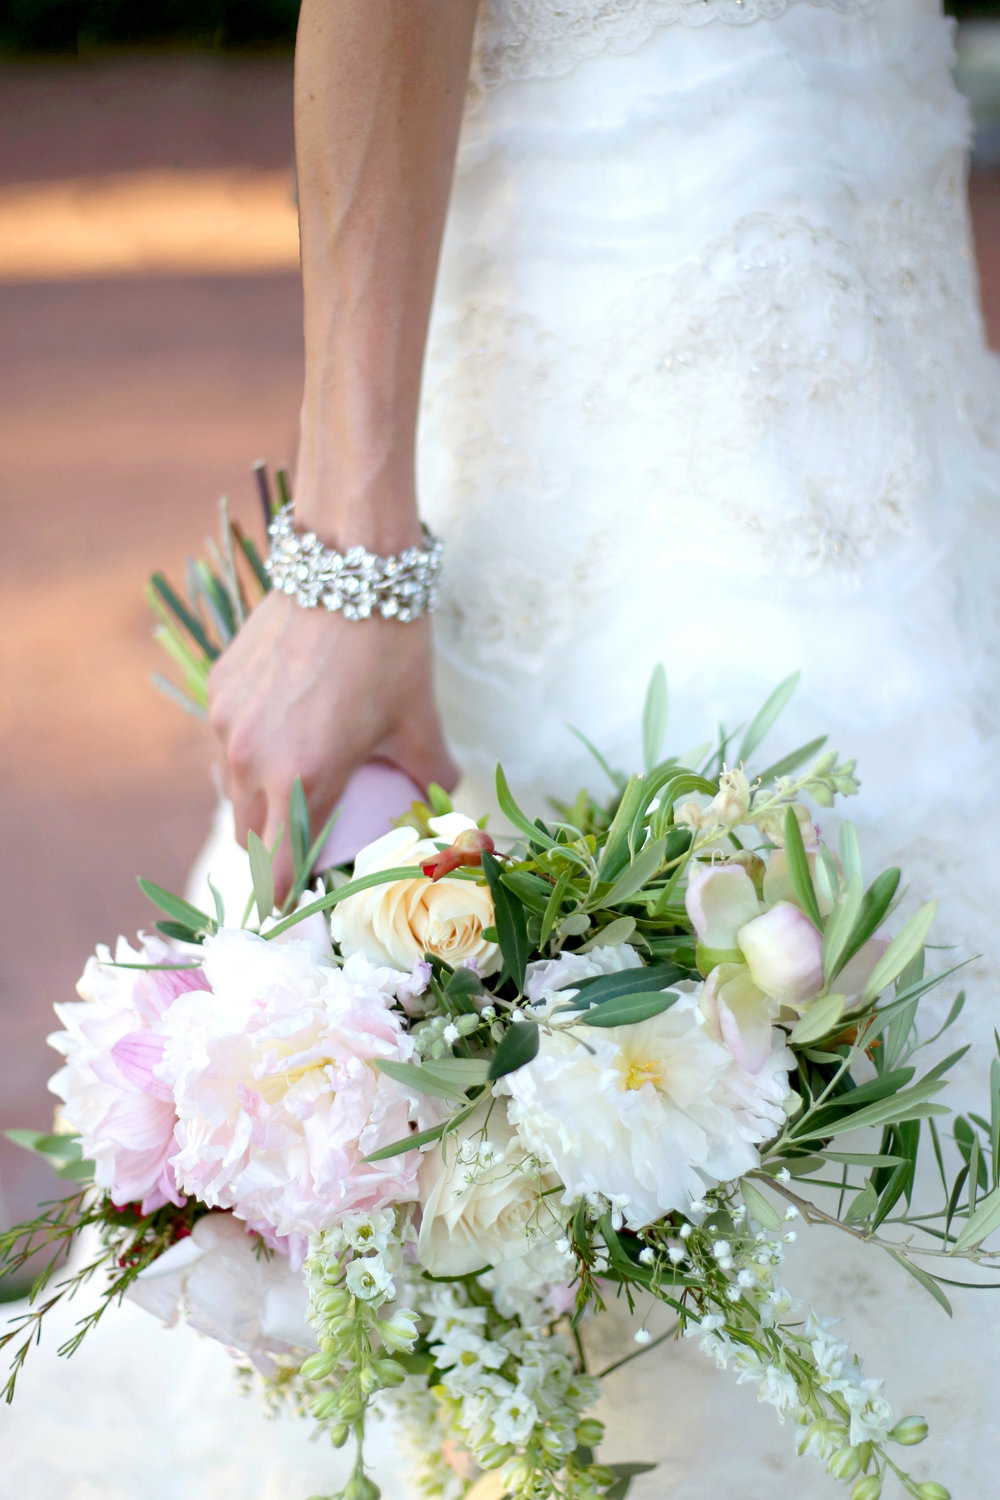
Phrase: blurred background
(150,350)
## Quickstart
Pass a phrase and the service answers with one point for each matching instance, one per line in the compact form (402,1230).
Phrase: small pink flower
(739,1015)
(720,899)
(784,953)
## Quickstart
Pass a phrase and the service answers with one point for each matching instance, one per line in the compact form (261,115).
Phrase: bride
(690,287)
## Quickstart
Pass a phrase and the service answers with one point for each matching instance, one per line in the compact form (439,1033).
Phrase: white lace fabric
(544,38)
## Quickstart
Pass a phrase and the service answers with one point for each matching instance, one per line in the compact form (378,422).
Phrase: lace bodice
(544,38)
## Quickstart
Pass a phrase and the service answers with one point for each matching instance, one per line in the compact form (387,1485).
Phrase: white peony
(546,979)
(647,1115)
(397,923)
(221,1282)
(482,1209)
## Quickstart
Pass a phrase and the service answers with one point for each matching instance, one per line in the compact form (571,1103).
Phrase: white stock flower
(222,1282)
(368,1277)
(486,1213)
(514,1419)
(397,923)
(642,1114)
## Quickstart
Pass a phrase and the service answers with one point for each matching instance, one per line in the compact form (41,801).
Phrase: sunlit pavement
(145,360)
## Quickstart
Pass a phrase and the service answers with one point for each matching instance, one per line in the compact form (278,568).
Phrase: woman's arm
(378,100)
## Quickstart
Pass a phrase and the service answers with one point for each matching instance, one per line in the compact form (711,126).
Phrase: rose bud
(468,850)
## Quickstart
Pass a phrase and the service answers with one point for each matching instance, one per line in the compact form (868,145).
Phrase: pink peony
(277,1090)
(111,1094)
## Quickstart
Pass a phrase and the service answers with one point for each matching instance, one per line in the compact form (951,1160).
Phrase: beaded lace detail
(545,38)
(748,356)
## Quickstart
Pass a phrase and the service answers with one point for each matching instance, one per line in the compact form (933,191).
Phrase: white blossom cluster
(509,1397)
(800,1367)
(350,1274)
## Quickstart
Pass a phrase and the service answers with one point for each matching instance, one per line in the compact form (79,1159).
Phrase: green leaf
(61,1147)
(821,1017)
(615,777)
(616,848)
(553,908)
(850,852)
(518,1045)
(458,1072)
(927,1282)
(511,924)
(637,874)
(654,718)
(298,825)
(637,981)
(175,906)
(529,889)
(253,557)
(520,819)
(765,718)
(864,1159)
(217,601)
(613,936)
(333,898)
(840,925)
(792,761)
(180,610)
(416,1076)
(798,869)
(178,931)
(628,1010)
(876,902)
(419,1138)
(904,947)
(862,1205)
(261,874)
(911,1105)
(439,800)
(464,985)
(759,1207)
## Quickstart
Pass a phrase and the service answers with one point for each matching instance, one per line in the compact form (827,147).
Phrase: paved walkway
(127,405)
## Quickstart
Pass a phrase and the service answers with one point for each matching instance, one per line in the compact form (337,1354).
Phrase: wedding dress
(706,383)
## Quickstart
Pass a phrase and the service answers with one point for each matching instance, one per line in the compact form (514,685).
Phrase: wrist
(357,582)
(350,502)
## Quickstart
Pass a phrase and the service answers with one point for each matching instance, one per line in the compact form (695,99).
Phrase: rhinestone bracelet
(357,582)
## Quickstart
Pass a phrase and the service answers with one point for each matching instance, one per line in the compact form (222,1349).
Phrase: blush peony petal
(136,1056)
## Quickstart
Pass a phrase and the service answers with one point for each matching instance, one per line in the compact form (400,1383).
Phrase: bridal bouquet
(406,1138)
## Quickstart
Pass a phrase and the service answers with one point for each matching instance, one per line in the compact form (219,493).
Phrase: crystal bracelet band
(357,582)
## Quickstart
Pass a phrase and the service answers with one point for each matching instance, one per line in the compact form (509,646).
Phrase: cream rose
(397,923)
(481,1200)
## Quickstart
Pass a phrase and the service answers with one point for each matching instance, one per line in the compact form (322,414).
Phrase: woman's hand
(303,692)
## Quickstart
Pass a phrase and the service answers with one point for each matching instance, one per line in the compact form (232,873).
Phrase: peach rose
(397,923)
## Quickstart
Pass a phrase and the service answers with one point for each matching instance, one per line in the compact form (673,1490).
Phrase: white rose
(222,1284)
(397,923)
(475,1215)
